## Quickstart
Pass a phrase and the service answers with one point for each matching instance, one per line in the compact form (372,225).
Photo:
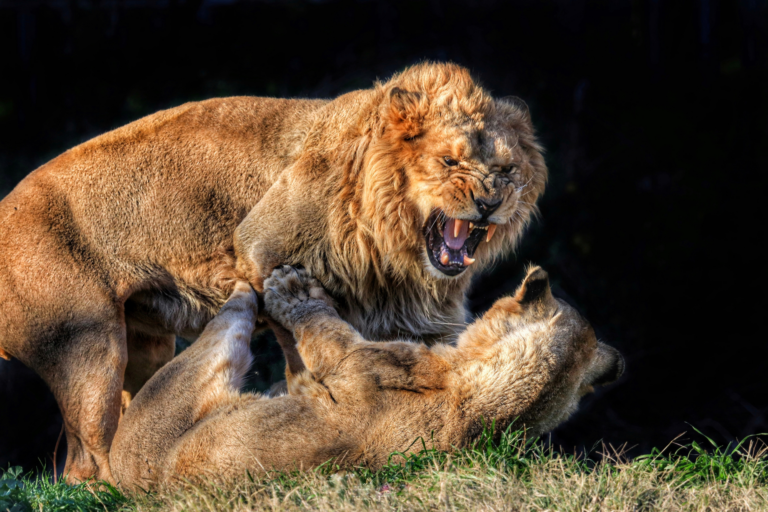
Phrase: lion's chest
(403,315)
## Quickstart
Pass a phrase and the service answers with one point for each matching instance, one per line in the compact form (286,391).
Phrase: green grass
(512,474)
(20,493)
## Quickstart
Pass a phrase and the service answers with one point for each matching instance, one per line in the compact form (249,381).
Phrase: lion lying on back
(530,357)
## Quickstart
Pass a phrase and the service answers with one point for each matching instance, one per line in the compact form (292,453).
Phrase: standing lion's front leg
(272,232)
(299,303)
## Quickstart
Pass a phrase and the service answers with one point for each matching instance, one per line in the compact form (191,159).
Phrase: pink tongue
(455,242)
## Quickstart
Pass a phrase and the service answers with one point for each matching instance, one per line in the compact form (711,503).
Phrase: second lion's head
(452,174)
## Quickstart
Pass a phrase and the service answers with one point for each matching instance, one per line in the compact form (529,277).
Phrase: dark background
(653,114)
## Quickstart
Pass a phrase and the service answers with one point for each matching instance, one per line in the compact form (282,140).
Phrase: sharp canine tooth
(444,257)
(471,226)
(457,227)
(491,231)
(468,261)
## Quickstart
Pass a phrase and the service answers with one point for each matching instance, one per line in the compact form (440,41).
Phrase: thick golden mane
(378,227)
(445,84)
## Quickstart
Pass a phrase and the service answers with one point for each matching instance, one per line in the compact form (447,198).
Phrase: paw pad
(290,292)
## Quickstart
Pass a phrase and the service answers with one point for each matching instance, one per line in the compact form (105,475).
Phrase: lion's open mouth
(451,243)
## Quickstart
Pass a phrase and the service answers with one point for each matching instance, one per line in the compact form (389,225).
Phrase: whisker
(520,215)
(522,187)
(448,323)
(437,217)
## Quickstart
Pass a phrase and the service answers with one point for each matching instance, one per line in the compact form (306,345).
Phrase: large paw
(291,293)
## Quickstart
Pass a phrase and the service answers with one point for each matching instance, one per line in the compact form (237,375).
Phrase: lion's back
(192,170)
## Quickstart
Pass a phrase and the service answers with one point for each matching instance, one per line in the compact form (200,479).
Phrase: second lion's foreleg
(299,303)
(205,377)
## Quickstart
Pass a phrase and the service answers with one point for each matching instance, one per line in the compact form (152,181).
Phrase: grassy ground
(509,475)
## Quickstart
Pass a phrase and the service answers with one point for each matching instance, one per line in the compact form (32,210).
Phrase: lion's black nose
(487,206)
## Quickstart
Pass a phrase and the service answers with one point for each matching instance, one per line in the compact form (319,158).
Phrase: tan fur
(530,358)
(120,243)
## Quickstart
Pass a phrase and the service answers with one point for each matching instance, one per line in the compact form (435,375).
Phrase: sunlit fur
(528,360)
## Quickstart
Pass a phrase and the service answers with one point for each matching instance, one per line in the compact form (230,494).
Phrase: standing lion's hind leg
(146,355)
(224,348)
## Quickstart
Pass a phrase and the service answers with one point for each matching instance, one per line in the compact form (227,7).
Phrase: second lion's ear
(406,111)
(535,287)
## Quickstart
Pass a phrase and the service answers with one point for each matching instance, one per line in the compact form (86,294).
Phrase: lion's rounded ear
(404,104)
(406,111)
(519,104)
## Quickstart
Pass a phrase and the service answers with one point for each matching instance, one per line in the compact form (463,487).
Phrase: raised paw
(291,293)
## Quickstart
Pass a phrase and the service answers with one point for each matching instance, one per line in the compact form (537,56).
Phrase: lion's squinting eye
(450,161)
(511,169)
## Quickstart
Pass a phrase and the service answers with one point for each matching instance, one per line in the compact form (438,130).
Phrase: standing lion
(392,197)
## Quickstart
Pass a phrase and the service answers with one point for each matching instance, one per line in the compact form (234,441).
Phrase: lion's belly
(181,299)
(171,311)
